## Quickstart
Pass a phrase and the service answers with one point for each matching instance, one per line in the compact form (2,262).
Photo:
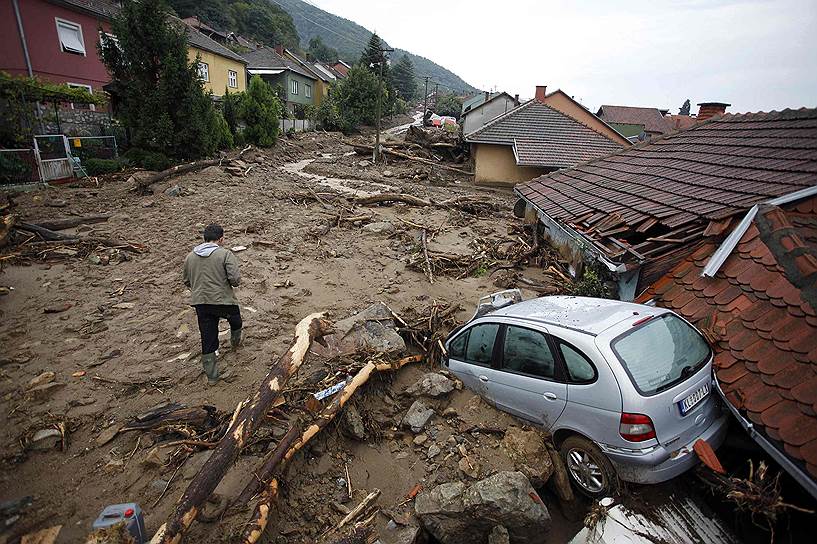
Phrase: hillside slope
(349,38)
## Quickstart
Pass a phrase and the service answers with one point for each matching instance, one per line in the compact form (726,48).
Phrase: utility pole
(425,99)
(376,156)
(436,95)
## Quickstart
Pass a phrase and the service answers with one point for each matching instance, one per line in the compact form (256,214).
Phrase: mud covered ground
(128,339)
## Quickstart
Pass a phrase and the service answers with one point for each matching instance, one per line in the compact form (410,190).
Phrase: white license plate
(692,400)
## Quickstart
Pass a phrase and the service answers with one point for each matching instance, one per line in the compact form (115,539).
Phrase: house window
(294,86)
(204,71)
(70,36)
(88,88)
(232,78)
(308,91)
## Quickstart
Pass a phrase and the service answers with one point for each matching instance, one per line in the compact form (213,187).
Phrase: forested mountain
(260,20)
(349,39)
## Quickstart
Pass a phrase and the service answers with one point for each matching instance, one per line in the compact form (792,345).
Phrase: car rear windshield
(661,353)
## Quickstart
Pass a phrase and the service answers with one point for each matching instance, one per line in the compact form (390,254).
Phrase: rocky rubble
(455,513)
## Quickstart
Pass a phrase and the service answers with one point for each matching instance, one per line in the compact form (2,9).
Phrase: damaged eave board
(678,522)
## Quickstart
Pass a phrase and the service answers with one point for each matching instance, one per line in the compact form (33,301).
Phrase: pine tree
(685,108)
(261,111)
(405,82)
(371,60)
(161,98)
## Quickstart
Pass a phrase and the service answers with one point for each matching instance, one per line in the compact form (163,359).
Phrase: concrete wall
(560,101)
(218,67)
(48,60)
(496,165)
(476,119)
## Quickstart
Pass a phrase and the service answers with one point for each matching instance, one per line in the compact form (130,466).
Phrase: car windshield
(661,353)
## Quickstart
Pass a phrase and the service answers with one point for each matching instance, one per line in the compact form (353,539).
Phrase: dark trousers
(209,316)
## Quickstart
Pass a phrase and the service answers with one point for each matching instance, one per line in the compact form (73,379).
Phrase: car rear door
(470,356)
(529,380)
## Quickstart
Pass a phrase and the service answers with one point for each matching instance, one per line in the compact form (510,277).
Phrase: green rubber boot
(235,338)
(208,362)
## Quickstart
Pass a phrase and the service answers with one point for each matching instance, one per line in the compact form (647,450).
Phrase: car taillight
(636,427)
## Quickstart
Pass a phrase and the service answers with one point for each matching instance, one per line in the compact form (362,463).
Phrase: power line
(300,13)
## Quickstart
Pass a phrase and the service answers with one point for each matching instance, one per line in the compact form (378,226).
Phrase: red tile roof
(761,311)
(651,118)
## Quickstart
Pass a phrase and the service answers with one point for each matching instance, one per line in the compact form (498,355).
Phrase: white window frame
(232,79)
(307,90)
(204,71)
(82,86)
(293,87)
(70,25)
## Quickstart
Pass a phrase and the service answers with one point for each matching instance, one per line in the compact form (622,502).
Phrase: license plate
(693,399)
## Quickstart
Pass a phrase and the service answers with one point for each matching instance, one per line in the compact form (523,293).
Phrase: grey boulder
(456,514)
(417,416)
(431,385)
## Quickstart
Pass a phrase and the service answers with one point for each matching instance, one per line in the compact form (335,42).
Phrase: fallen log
(260,518)
(267,471)
(392,197)
(71,222)
(143,183)
(52,236)
(362,149)
(248,417)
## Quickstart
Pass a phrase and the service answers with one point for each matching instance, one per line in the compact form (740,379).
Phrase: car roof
(583,314)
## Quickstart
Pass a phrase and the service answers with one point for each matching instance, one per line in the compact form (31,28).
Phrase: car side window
(527,351)
(481,344)
(456,348)
(579,367)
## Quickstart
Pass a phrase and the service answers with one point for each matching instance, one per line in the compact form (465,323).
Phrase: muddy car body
(625,389)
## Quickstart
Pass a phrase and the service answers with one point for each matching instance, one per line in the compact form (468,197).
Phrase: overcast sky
(756,55)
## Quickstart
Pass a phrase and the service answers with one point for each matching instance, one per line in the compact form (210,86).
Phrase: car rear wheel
(590,470)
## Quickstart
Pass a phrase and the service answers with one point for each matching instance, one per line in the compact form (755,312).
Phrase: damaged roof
(651,118)
(543,136)
(653,198)
(201,41)
(760,311)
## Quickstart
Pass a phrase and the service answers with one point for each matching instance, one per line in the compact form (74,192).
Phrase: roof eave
(782,459)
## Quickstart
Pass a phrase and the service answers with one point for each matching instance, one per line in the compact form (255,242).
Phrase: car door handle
(483,379)
(550,396)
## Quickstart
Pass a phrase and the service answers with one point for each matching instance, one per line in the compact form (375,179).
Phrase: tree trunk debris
(246,420)
(260,518)
(71,222)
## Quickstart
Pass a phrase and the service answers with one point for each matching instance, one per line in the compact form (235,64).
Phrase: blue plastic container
(130,513)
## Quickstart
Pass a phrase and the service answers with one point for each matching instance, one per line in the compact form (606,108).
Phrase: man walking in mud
(211,272)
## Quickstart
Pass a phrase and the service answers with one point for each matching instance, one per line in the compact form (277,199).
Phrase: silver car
(624,389)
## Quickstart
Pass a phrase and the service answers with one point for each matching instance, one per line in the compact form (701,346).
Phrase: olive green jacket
(211,272)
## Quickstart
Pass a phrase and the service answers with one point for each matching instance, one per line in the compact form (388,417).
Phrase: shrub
(261,112)
(221,132)
(149,160)
(96,167)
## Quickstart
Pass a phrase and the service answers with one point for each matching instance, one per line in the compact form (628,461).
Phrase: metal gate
(54,157)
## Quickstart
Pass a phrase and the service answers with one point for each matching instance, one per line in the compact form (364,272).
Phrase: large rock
(432,384)
(371,330)
(417,416)
(456,514)
(527,450)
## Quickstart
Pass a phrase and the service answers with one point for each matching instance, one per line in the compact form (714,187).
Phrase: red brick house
(55,40)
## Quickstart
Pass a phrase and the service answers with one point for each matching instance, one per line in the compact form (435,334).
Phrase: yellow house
(219,67)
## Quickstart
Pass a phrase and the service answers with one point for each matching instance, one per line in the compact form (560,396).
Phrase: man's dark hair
(213,232)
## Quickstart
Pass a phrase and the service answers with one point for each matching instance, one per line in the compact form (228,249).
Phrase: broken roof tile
(766,353)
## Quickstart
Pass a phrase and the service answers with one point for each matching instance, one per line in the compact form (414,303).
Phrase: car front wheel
(590,470)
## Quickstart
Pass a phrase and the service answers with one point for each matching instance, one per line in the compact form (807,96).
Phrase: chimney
(541,90)
(279,49)
(708,110)
(487,96)
(515,100)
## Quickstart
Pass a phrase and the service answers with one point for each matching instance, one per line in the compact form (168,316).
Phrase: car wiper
(686,371)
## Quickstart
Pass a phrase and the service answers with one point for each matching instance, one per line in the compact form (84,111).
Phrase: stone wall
(77,122)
